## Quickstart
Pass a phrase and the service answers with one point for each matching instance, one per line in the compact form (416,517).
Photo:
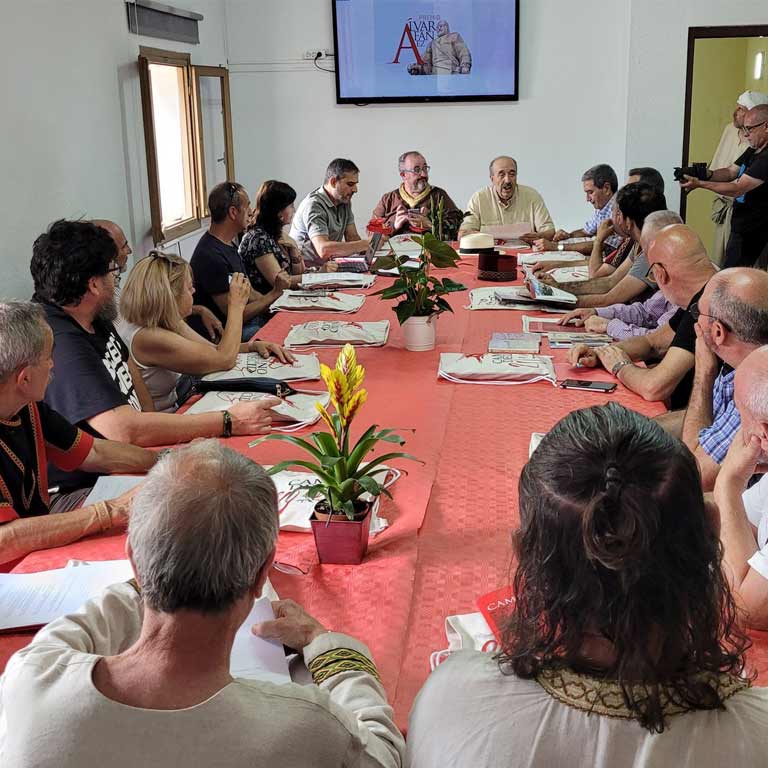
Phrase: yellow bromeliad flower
(343,384)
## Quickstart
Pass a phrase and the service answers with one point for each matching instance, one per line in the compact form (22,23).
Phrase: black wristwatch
(227,424)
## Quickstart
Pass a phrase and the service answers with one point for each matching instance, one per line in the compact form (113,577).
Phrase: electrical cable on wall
(319,55)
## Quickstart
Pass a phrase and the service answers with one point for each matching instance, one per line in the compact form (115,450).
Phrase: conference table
(450,518)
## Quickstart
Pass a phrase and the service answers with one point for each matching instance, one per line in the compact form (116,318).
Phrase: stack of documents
(514,342)
(566,339)
(251,365)
(333,280)
(317,301)
(486,298)
(529,259)
(337,333)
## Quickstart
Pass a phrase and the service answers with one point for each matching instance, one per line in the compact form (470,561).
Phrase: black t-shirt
(682,323)
(212,263)
(90,376)
(750,211)
(35,434)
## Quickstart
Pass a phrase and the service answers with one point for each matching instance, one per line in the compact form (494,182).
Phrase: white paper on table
(109,487)
(529,259)
(570,274)
(411,263)
(508,231)
(251,365)
(310,280)
(293,412)
(337,333)
(254,658)
(402,245)
(304,301)
(34,599)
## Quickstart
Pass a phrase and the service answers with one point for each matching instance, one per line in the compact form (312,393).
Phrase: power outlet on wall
(318,53)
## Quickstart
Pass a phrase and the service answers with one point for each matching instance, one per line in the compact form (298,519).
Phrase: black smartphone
(592,386)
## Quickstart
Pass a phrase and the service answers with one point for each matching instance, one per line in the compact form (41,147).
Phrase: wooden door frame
(704,33)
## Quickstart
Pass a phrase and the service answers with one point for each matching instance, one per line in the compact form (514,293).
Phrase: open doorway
(723,62)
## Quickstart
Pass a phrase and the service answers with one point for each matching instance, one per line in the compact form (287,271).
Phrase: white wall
(571,113)
(71,141)
(658,52)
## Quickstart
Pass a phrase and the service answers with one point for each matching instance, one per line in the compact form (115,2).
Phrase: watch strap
(616,368)
(227,429)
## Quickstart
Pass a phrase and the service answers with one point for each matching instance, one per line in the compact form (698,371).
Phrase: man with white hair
(744,512)
(733,143)
(411,206)
(622,321)
(141,674)
(744,180)
(31,434)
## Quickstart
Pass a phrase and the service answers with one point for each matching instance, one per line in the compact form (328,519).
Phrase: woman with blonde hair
(154,302)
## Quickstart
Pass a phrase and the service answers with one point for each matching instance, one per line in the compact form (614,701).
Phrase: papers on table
(548,293)
(536,438)
(566,339)
(540,324)
(495,368)
(314,301)
(411,264)
(529,259)
(255,658)
(337,333)
(507,231)
(575,240)
(402,245)
(251,365)
(330,280)
(486,298)
(570,274)
(34,599)
(514,342)
(294,411)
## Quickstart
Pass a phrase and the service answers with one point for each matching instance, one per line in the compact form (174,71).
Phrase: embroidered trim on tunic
(331,663)
(605,697)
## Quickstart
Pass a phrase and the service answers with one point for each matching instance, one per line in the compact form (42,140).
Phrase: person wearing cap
(733,143)
(744,180)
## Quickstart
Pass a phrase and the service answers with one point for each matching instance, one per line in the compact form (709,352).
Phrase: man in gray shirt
(324,226)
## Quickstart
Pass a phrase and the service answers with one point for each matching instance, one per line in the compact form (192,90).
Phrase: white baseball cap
(752,99)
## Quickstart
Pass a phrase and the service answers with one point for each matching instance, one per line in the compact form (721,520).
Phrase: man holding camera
(745,182)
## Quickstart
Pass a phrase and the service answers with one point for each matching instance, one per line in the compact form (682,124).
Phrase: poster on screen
(406,50)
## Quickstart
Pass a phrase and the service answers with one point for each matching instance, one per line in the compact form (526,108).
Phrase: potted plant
(344,482)
(421,294)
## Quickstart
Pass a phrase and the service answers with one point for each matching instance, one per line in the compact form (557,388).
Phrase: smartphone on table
(591,386)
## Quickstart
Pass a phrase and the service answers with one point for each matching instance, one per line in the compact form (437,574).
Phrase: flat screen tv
(407,50)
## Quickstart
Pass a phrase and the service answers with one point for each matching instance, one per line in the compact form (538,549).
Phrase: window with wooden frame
(188,138)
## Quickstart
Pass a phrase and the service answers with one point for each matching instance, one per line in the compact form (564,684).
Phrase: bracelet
(616,368)
(227,424)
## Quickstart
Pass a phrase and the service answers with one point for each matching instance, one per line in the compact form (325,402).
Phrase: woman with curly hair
(623,648)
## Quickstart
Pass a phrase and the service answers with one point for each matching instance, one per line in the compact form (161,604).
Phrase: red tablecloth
(450,520)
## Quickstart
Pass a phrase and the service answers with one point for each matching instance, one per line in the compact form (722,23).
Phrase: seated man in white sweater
(744,512)
(140,676)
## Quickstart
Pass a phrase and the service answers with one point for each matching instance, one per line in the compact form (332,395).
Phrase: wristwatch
(227,424)
(616,368)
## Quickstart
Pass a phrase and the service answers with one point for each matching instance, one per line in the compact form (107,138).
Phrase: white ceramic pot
(419,333)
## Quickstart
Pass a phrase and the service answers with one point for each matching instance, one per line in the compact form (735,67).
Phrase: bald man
(680,267)
(210,322)
(744,181)
(505,202)
(744,513)
(731,322)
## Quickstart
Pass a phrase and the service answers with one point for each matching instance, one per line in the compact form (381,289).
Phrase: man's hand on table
(577,317)
(120,508)
(542,244)
(253,417)
(561,234)
(582,356)
(611,355)
(268,348)
(292,626)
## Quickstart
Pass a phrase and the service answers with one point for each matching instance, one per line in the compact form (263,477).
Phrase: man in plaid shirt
(731,321)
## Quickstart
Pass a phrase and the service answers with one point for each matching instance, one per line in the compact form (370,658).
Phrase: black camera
(697,170)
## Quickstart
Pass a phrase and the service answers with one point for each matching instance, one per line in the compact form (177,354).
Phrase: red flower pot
(341,540)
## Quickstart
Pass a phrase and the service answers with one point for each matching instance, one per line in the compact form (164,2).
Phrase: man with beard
(733,143)
(409,207)
(75,270)
(504,202)
(744,513)
(731,322)
(324,225)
